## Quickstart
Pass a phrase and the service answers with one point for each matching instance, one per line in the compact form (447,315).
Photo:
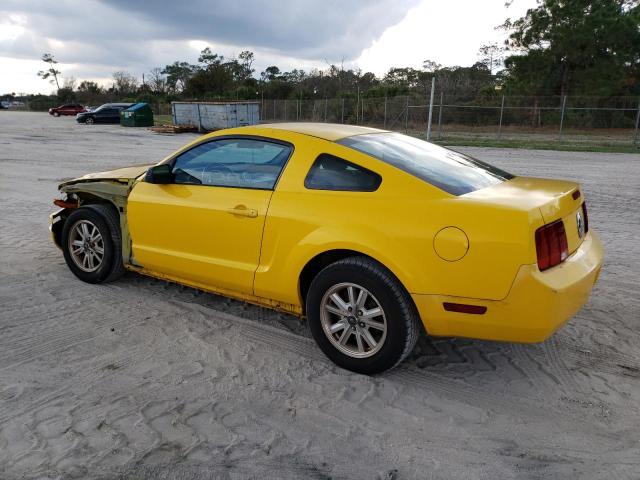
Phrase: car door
(206,226)
(102,115)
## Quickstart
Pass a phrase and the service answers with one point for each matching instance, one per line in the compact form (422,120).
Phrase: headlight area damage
(112,187)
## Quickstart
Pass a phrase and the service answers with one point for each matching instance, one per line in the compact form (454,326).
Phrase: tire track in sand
(454,389)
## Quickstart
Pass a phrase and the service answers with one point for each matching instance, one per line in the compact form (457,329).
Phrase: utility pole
(406,114)
(440,115)
(564,103)
(358,105)
(501,113)
(385,112)
(635,138)
(433,87)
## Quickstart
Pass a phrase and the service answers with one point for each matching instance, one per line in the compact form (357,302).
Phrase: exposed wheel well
(86,199)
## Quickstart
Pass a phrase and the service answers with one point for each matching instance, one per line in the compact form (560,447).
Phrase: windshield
(450,171)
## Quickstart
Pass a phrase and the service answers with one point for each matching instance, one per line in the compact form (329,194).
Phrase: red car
(67,109)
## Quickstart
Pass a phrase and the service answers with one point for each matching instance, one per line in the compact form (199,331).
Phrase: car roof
(116,105)
(326,131)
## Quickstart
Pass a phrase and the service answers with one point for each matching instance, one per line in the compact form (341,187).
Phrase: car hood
(122,175)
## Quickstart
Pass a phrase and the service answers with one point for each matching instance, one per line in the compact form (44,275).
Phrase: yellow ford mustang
(370,234)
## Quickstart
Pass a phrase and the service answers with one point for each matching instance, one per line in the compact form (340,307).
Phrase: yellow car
(370,234)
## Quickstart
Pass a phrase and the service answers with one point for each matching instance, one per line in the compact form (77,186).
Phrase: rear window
(453,172)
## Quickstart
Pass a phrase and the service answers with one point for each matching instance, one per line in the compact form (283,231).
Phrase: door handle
(243,211)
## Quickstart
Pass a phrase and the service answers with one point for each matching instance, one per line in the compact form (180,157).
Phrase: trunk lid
(554,199)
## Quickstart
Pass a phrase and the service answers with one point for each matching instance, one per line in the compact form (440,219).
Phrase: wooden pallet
(166,128)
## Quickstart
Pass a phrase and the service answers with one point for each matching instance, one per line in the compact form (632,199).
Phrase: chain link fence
(554,119)
(547,119)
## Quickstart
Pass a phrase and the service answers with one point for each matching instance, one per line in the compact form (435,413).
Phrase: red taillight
(551,245)
(586,217)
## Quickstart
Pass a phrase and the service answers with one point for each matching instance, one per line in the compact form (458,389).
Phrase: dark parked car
(107,113)
(67,109)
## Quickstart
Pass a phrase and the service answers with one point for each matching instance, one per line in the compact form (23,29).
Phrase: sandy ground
(149,380)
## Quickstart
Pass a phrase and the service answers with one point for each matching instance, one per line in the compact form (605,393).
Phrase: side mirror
(160,174)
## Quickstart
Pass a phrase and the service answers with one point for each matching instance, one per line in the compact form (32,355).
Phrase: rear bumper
(537,305)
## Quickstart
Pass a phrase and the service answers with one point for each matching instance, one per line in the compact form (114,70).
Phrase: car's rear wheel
(89,121)
(361,316)
(92,243)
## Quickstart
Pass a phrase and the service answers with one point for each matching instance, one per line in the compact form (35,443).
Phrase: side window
(234,162)
(333,173)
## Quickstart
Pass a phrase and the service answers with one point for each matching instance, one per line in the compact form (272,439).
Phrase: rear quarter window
(329,172)
(453,172)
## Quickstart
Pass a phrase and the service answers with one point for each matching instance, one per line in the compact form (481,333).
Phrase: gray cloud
(306,28)
(115,34)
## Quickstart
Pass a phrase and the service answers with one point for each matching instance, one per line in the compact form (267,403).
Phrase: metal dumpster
(215,115)
(138,115)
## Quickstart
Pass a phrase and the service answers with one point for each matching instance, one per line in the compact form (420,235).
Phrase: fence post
(199,118)
(362,112)
(564,103)
(501,113)
(285,109)
(440,116)
(635,138)
(325,109)
(342,113)
(385,113)
(406,115)
(433,86)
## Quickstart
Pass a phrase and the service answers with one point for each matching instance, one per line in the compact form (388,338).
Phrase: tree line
(560,47)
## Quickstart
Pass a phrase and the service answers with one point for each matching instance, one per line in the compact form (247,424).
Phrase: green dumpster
(138,115)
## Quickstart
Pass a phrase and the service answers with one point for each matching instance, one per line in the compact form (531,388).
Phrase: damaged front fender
(106,187)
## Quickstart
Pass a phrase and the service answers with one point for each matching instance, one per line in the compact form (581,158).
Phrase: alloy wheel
(86,246)
(353,320)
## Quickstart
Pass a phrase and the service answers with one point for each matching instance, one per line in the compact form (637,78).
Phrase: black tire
(56,114)
(89,121)
(107,220)
(402,319)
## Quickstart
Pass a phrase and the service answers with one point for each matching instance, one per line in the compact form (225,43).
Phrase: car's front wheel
(361,316)
(92,245)
(89,121)
(56,114)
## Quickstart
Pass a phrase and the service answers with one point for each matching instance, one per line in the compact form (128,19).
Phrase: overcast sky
(94,38)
